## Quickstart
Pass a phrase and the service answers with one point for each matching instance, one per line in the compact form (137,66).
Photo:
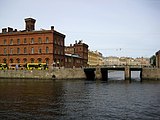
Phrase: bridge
(101,72)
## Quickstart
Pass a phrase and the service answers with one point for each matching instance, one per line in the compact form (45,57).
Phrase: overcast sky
(113,27)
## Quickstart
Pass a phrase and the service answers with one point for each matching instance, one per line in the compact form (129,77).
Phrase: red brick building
(30,45)
(72,60)
(80,49)
(158,59)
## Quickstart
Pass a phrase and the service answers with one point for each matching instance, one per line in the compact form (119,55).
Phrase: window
(18,41)
(4,42)
(61,61)
(11,60)
(5,51)
(18,50)
(55,51)
(55,41)
(32,40)
(69,60)
(25,40)
(4,60)
(32,50)
(25,60)
(62,43)
(18,60)
(11,51)
(25,50)
(11,42)
(32,60)
(39,60)
(66,60)
(39,40)
(39,50)
(47,50)
(47,40)
(47,60)
(55,60)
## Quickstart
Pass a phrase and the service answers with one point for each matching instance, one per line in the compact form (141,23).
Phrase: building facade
(127,61)
(80,49)
(73,61)
(32,46)
(158,58)
(95,58)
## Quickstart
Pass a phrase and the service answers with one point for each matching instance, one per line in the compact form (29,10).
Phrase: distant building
(95,58)
(80,49)
(112,60)
(127,61)
(158,58)
(30,45)
(143,61)
(72,61)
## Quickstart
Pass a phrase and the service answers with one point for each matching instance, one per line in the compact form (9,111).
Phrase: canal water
(79,100)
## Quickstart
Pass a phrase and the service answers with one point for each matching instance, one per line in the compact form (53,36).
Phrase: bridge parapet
(116,66)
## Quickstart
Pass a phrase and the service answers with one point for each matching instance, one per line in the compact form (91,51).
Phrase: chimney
(52,27)
(15,30)
(4,30)
(30,24)
(10,29)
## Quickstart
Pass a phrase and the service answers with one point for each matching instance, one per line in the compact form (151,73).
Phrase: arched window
(39,40)
(32,40)
(47,50)
(11,60)
(24,60)
(32,60)
(18,60)
(25,50)
(18,41)
(47,60)
(11,42)
(18,50)
(4,60)
(39,50)
(39,60)
(32,50)
(47,40)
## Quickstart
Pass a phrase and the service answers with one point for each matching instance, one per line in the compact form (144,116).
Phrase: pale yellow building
(95,58)
(127,61)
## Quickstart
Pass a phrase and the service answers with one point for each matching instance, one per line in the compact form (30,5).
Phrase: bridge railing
(118,66)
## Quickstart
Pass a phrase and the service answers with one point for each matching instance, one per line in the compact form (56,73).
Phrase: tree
(153,60)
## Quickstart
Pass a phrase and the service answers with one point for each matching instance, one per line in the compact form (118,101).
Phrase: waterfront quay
(93,73)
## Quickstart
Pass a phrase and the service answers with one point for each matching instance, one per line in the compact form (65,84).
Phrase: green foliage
(153,60)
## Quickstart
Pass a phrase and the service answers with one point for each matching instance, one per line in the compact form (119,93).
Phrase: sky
(129,28)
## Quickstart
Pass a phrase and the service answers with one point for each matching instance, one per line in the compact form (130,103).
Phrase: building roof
(72,55)
(158,52)
(10,31)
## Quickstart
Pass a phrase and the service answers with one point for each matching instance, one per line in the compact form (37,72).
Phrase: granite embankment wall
(62,73)
(68,73)
(151,74)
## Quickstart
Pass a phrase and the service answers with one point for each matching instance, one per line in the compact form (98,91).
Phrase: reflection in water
(120,75)
(116,75)
(26,99)
(135,75)
(88,100)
